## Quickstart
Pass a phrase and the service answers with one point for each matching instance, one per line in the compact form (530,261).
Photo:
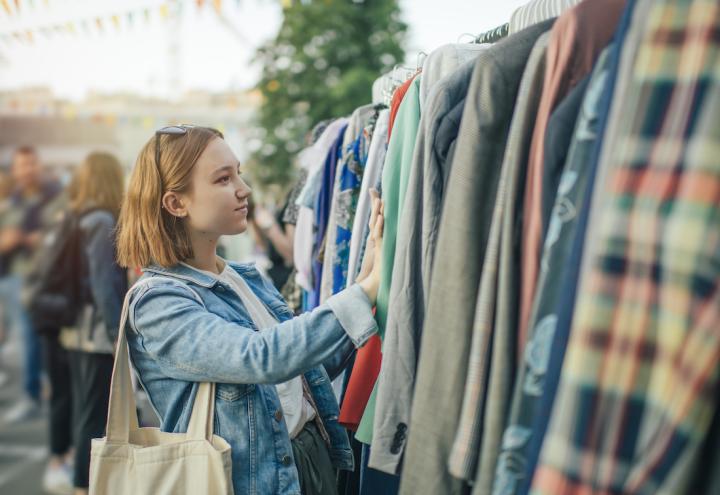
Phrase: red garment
(576,40)
(367,363)
(362,380)
(395,102)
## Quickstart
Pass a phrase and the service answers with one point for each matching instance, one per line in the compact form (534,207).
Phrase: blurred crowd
(58,234)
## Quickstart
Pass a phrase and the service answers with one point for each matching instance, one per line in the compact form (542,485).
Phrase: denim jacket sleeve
(191,343)
(107,281)
(335,364)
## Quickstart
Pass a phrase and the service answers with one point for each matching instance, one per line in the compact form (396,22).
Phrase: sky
(200,50)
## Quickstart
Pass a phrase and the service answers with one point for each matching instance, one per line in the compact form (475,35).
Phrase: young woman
(96,195)
(200,319)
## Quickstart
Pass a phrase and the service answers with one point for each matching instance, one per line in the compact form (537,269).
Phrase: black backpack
(55,292)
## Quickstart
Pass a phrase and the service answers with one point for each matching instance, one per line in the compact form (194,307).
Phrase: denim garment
(187,327)
(105,282)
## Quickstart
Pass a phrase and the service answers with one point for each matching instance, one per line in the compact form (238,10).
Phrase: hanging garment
(506,317)
(537,11)
(367,363)
(463,233)
(415,244)
(444,61)
(637,391)
(577,39)
(620,60)
(396,172)
(348,177)
(374,482)
(482,419)
(530,380)
(397,100)
(323,204)
(312,160)
(706,480)
(558,139)
(373,171)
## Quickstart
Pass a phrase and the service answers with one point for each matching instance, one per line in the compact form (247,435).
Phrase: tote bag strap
(203,413)
(122,409)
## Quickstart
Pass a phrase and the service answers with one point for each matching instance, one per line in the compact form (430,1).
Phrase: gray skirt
(315,470)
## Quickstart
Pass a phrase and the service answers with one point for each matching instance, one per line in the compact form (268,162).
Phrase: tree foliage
(321,65)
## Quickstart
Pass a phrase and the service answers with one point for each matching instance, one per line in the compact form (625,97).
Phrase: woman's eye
(224,180)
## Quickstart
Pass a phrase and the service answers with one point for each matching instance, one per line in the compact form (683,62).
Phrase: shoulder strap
(122,409)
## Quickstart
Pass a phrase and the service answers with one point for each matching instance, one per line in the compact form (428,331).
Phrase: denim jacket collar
(188,274)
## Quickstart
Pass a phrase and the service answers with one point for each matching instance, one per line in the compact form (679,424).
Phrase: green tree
(321,65)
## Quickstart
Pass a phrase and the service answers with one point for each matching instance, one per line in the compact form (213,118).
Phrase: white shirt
(297,410)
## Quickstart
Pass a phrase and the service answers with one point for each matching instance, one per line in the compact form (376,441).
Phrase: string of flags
(100,24)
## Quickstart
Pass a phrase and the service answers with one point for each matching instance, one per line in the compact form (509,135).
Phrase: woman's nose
(244,190)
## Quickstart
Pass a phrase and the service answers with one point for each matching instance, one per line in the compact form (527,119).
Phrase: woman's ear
(174,204)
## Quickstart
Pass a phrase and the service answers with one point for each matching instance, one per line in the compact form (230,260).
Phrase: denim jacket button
(287,460)
(278,415)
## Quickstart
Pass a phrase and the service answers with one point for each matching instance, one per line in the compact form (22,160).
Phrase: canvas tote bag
(131,460)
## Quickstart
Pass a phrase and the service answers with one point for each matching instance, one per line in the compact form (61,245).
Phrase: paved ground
(23,447)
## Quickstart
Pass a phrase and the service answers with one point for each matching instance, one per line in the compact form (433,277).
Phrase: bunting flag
(166,10)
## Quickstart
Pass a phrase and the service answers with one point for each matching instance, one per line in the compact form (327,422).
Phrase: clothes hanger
(493,35)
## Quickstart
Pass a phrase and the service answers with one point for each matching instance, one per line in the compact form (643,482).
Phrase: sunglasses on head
(172,130)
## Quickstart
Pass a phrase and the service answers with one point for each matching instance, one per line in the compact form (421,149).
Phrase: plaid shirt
(639,382)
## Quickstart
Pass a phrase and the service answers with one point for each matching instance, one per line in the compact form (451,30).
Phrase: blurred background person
(6,188)
(20,234)
(274,238)
(97,191)
(58,474)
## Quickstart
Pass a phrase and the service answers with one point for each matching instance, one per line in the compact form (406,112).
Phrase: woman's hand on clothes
(372,264)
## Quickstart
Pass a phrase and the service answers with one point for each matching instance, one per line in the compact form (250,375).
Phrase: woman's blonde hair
(147,233)
(97,183)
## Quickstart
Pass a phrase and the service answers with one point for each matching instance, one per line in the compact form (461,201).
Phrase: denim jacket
(186,327)
(105,283)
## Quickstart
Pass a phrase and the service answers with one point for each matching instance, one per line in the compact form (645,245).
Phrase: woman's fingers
(375,208)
